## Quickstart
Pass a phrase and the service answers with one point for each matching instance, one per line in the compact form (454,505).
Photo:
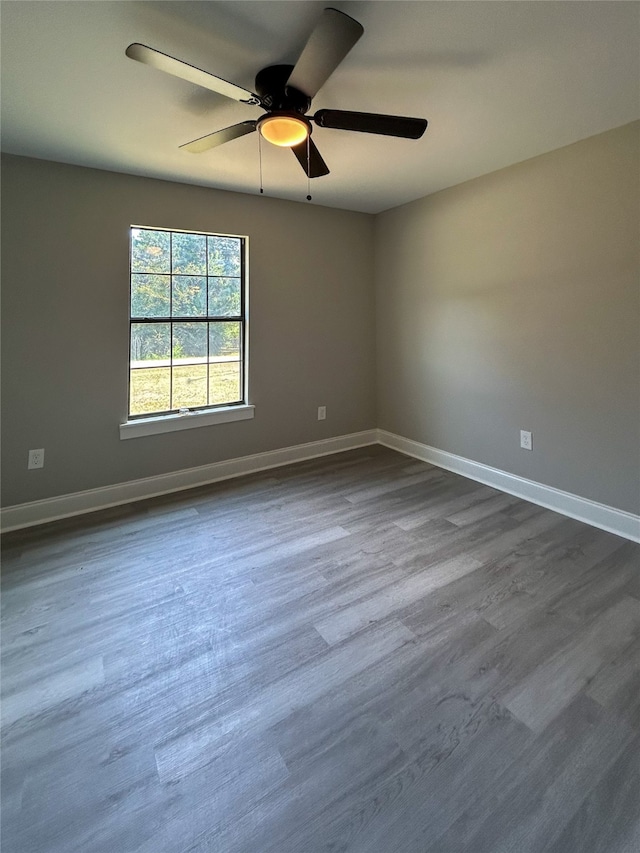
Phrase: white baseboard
(608,518)
(52,509)
(617,521)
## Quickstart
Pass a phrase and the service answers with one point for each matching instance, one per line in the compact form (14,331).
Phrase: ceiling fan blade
(331,40)
(212,140)
(409,128)
(311,161)
(163,62)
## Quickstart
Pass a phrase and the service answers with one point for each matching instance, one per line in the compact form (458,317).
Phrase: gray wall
(512,302)
(509,302)
(65,337)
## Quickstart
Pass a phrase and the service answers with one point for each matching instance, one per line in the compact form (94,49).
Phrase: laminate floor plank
(353,618)
(553,578)
(469,664)
(278,699)
(555,682)
(592,591)
(417,804)
(528,805)
(617,686)
(448,497)
(49,691)
(539,544)
(617,796)
(359,653)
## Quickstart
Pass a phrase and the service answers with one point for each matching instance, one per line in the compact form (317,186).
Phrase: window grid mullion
(234,318)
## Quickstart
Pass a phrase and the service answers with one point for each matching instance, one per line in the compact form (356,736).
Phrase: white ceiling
(499,82)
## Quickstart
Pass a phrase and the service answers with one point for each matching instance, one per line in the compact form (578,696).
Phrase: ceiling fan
(285,93)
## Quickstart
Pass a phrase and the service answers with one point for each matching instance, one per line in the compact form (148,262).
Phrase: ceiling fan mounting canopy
(285,92)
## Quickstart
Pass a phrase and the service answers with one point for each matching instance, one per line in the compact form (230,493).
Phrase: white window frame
(140,425)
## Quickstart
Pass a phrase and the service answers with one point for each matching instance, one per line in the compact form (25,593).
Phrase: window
(188,323)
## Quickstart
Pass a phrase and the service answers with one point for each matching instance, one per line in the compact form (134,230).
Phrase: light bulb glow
(284,130)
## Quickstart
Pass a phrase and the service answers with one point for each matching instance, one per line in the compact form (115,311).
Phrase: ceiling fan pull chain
(260,159)
(309,167)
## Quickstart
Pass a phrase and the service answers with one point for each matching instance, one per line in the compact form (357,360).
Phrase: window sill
(173,423)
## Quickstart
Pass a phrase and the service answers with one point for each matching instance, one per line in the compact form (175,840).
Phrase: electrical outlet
(322,413)
(526,440)
(36,458)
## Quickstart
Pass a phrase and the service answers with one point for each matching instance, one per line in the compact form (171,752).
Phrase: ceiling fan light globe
(284,130)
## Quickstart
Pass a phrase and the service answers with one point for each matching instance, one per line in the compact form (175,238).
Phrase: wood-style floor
(359,654)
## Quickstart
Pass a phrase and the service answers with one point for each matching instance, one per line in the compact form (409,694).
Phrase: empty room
(320,426)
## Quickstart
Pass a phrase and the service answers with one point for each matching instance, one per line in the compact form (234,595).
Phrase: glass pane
(189,296)
(224,255)
(149,390)
(150,295)
(189,386)
(189,343)
(224,297)
(150,342)
(224,383)
(189,253)
(224,341)
(150,250)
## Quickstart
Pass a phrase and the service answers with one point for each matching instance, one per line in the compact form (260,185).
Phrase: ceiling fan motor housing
(271,86)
